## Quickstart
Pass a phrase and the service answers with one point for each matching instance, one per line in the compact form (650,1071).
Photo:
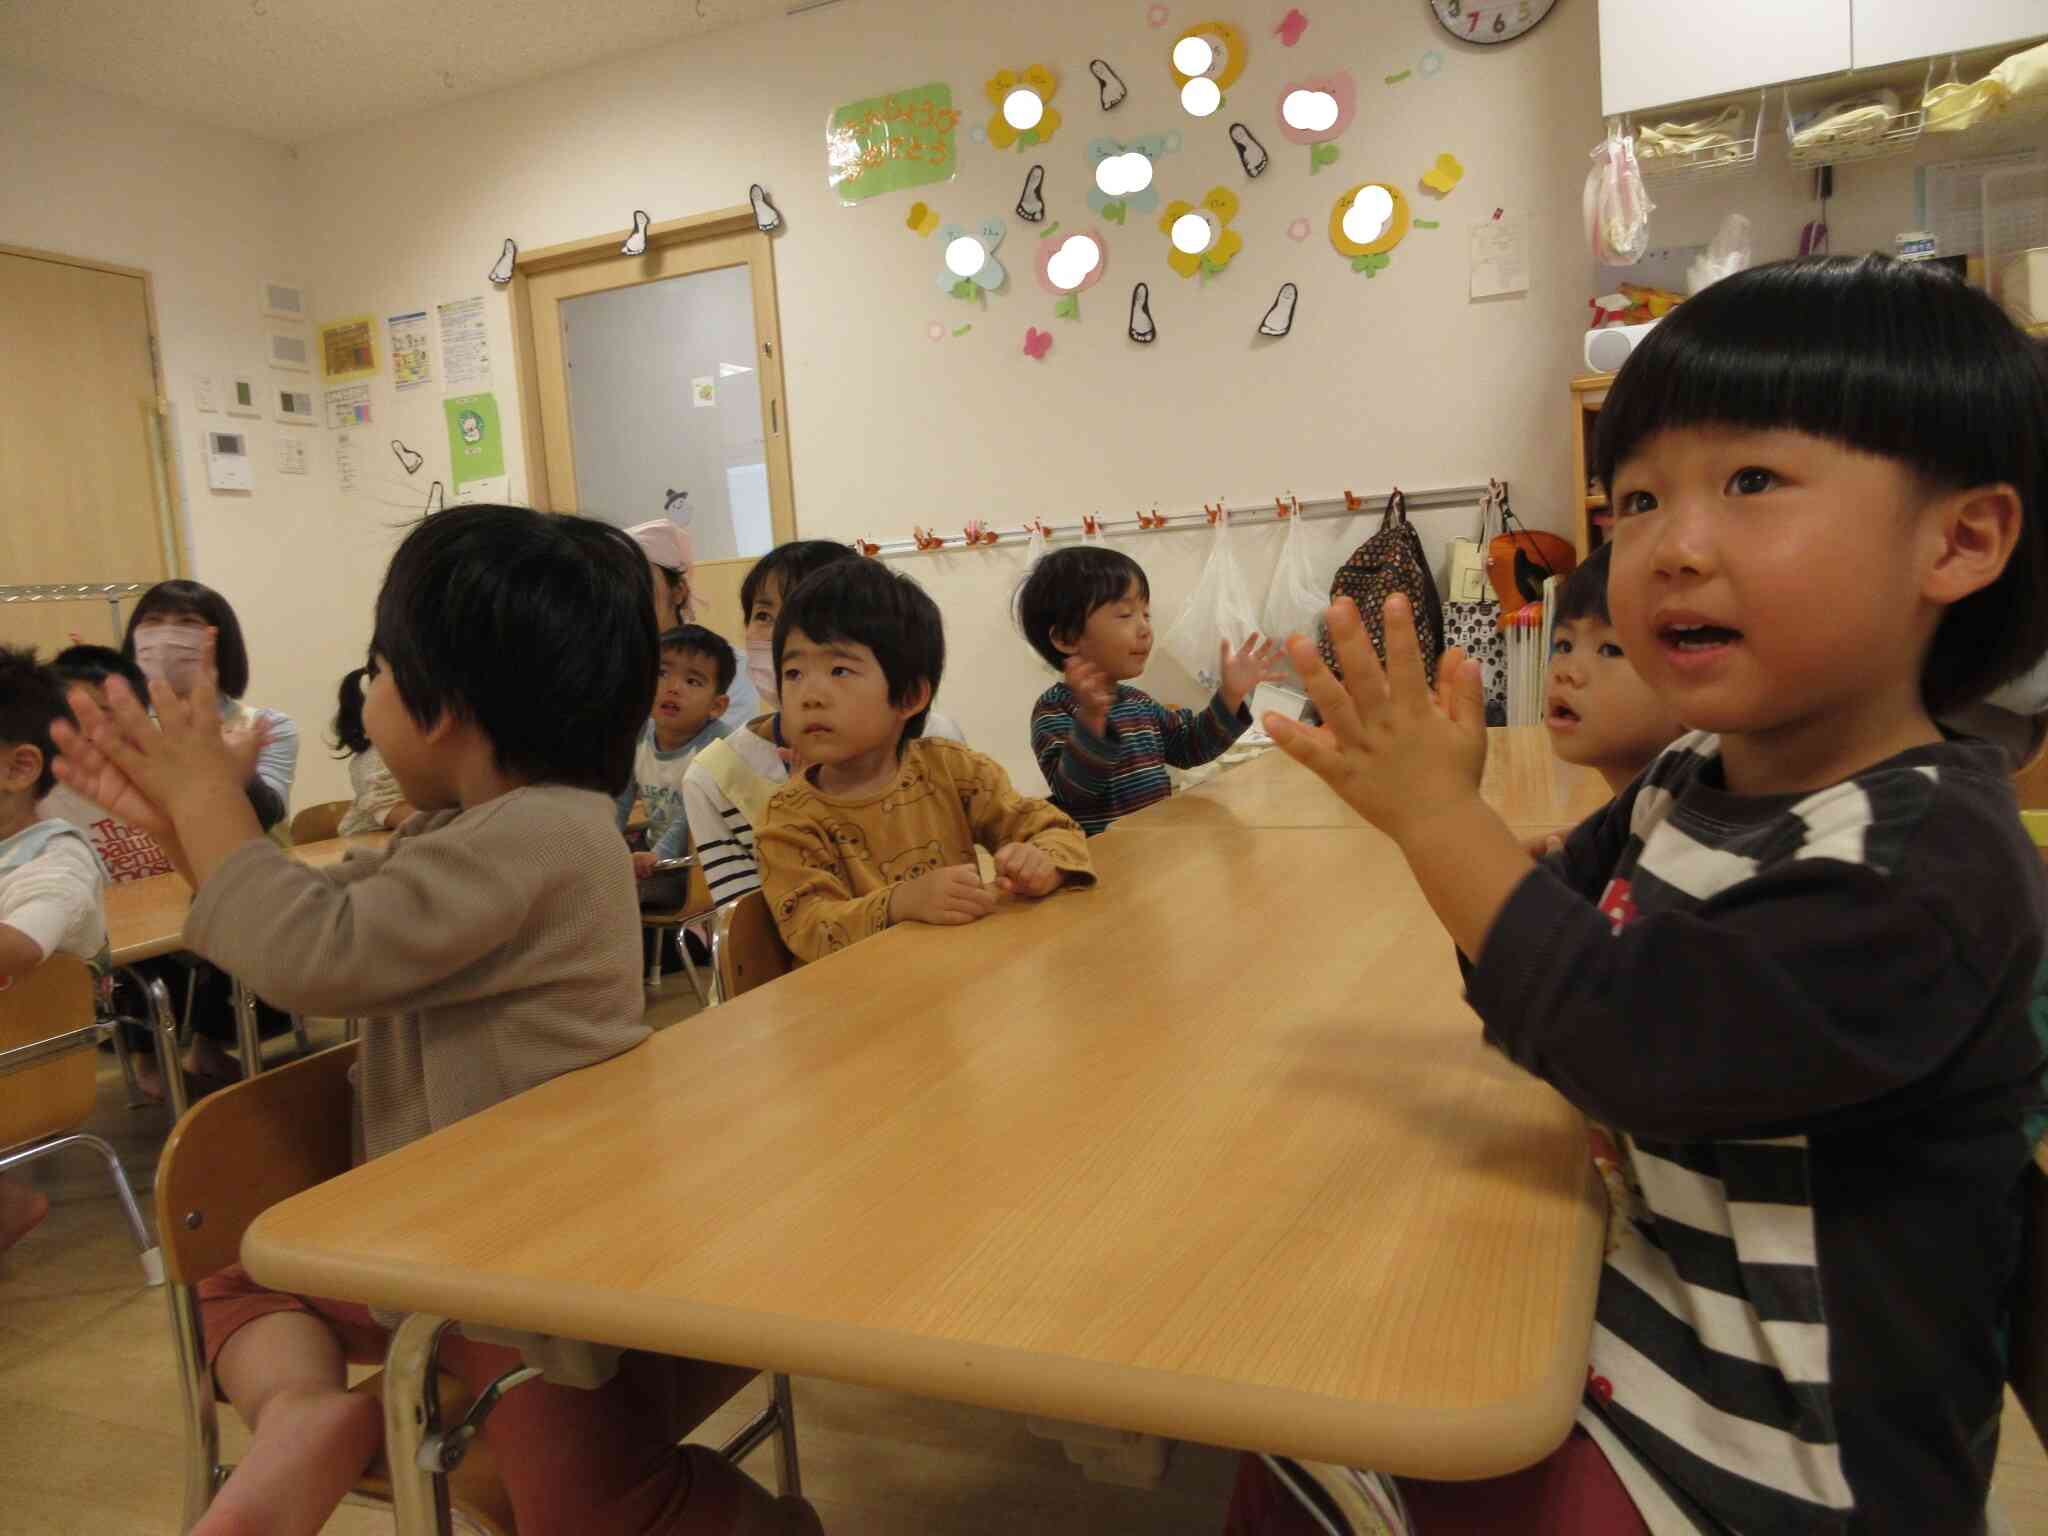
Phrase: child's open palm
(1242,670)
(1396,752)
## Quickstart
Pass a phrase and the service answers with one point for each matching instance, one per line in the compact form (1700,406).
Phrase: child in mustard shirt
(882,825)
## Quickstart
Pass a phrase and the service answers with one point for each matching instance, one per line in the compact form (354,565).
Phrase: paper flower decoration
(1444,175)
(1024,112)
(1226,54)
(1315,110)
(1193,249)
(1367,223)
(1070,265)
(971,267)
(1120,175)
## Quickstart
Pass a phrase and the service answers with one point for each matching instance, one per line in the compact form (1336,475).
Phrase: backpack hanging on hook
(1391,561)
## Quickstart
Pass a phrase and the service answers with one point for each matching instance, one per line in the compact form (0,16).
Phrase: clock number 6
(1500,23)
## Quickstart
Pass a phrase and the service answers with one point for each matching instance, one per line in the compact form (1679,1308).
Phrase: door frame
(599,266)
(163,457)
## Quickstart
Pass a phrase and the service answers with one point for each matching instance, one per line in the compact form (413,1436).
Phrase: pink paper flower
(1324,107)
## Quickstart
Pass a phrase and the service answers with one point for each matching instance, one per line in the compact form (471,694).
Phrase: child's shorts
(230,1300)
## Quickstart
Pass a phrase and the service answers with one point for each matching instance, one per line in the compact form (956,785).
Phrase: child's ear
(720,703)
(1064,642)
(919,698)
(21,767)
(1975,532)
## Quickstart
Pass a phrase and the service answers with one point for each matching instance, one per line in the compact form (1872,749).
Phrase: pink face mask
(170,653)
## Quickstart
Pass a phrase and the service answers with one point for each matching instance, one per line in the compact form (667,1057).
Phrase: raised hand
(945,897)
(1094,694)
(1396,752)
(1025,870)
(1242,670)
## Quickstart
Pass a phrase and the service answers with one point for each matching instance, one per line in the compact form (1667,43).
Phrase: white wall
(210,216)
(1390,379)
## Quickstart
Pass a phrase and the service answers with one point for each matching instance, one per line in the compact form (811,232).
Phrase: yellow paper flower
(1002,133)
(1216,210)
(1444,175)
(1230,53)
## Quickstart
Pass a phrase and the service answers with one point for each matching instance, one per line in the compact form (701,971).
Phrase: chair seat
(473,1487)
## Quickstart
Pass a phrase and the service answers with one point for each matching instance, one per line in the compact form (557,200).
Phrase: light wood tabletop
(1532,790)
(1213,1152)
(146,918)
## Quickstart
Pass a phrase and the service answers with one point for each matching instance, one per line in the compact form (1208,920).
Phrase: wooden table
(1213,1152)
(1524,781)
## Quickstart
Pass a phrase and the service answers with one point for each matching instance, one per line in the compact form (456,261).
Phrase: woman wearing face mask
(730,782)
(166,638)
(166,634)
(667,548)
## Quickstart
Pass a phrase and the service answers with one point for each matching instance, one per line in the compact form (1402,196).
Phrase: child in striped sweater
(1103,745)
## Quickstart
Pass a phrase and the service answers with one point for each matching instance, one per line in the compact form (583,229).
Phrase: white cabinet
(1888,31)
(1656,52)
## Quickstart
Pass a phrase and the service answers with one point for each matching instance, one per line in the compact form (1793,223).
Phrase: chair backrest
(57,1095)
(696,898)
(240,1151)
(318,823)
(746,949)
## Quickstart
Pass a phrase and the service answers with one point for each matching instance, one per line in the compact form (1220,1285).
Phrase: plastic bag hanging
(1218,611)
(1299,594)
(1617,208)
(1034,543)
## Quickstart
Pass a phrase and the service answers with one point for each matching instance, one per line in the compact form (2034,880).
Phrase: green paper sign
(475,445)
(887,143)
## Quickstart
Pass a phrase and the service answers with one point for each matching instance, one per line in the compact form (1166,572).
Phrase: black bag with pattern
(1391,561)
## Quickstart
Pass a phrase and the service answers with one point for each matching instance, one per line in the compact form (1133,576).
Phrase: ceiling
(295,70)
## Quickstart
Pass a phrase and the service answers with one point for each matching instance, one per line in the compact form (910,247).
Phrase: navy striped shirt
(1096,779)
(1808,1017)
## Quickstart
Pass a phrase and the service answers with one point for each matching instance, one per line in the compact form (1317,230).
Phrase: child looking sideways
(1598,710)
(492,945)
(697,668)
(1792,963)
(1103,745)
(880,826)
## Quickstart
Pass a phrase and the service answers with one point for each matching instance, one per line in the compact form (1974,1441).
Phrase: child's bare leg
(311,1439)
(21,1208)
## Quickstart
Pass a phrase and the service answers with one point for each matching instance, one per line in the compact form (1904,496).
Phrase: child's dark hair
(866,602)
(179,599)
(696,640)
(536,628)
(1065,587)
(1583,594)
(349,736)
(94,664)
(1902,360)
(31,696)
(794,562)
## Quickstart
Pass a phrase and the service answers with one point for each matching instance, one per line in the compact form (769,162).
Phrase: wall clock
(1490,21)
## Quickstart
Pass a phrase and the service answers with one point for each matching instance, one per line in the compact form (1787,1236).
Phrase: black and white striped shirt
(1808,1017)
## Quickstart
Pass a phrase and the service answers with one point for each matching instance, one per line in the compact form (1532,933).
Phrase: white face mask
(170,653)
(761,670)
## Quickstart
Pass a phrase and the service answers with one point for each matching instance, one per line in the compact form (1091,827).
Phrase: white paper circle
(1077,257)
(1022,109)
(1310,111)
(1192,233)
(1121,175)
(1200,96)
(1367,218)
(965,257)
(1193,55)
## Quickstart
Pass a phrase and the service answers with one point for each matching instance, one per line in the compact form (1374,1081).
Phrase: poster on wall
(348,406)
(407,339)
(887,143)
(348,464)
(474,445)
(465,347)
(347,350)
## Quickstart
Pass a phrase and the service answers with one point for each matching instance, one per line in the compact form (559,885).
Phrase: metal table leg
(412,1412)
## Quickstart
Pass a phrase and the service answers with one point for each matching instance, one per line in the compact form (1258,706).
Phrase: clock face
(1490,21)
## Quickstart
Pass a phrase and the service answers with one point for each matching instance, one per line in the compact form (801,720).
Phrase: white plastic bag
(1034,543)
(1617,208)
(1728,255)
(1218,611)
(1300,590)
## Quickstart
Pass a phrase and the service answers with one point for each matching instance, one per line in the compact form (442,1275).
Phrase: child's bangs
(1879,356)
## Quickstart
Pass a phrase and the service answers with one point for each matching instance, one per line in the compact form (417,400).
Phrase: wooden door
(83,472)
(545,289)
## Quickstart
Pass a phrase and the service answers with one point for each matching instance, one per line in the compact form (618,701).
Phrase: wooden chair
(319,823)
(668,928)
(232,1157)
(746,948)
(49,1072)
